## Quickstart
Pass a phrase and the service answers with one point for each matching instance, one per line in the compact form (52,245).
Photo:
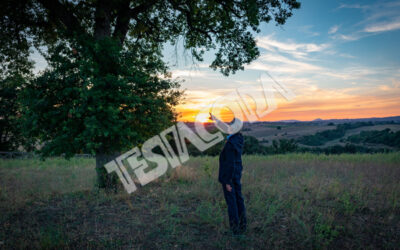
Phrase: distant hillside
(334,136)
(371,119)
(330,133)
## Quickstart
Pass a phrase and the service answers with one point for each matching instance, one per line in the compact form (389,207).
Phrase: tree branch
(125,14)
(188,14)
(59,13)
(122,25)
(102,26)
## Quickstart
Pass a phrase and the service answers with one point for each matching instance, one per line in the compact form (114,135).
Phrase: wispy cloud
(378,17)
(381,27)
(353,6)
(307,29)
(333,29)
(349,37)
(326,84)
(283,59)
(279,63)
(187,73)
(295,49)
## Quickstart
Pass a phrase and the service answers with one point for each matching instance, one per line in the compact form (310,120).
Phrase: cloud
(354,6)
(288,65)
(187,73)
(384,87)
(353,73)
(295,49)
(292,65)
(378,17)
(307,29)
(333,29)
(381,27)
(349,37)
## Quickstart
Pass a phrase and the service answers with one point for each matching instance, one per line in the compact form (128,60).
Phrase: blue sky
(341,58)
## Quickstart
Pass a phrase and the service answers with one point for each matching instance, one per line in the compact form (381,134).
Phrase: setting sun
(203,117)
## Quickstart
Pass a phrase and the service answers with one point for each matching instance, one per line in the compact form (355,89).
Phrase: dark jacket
(230,159)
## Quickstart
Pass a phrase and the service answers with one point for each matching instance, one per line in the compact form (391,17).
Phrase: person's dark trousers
(236,208)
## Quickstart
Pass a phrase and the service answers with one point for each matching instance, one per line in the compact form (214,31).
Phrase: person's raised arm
(220,124)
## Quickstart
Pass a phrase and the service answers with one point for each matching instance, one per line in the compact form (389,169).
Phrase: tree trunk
(102,27)
(104,179)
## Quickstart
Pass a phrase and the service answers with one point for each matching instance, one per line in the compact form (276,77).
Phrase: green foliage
(80,105)
(348,148)
(103,89)
(15,71)
(252,145)
(227,27)
(385,137)
(354,125)
(320,138)
(10,112)
(107,86)
(283,146)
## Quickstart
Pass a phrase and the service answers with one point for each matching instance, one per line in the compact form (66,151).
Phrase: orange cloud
(324,104)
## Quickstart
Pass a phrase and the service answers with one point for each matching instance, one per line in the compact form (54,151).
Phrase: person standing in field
(230,173)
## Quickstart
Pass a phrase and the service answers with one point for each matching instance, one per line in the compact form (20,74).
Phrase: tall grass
(293,201)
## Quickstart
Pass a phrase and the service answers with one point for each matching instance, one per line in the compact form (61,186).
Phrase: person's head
(236,125)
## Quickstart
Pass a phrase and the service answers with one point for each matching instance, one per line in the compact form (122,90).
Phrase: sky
(340,58)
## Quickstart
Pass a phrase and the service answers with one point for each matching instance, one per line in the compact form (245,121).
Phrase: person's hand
(211,117)
(228,187)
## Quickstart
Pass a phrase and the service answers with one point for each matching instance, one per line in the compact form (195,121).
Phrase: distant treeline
(251,146)
(320,138)
(384,137)
(282,146)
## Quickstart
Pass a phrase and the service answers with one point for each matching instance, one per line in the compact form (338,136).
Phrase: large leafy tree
(15,71)
(107,85)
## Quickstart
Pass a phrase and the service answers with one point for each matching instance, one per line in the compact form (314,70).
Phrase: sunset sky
(340,58)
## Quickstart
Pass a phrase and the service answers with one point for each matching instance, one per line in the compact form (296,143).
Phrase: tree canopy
(107,86)
(225,26)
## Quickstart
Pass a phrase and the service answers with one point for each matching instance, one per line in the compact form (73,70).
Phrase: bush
(385,137)
(320,138)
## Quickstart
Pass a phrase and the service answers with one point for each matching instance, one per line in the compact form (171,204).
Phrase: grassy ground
(293,201)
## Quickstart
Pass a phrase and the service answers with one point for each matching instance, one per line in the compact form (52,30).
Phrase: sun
(202,118)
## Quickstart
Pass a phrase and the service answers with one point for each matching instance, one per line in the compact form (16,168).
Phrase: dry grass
(293,201)
(32,179)
(183,174)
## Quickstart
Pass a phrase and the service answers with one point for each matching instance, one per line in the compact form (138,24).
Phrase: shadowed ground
(297,200)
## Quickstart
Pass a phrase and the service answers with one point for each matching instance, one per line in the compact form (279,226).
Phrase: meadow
(293,201)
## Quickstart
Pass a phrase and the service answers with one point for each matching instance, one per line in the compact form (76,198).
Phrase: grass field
(293,201)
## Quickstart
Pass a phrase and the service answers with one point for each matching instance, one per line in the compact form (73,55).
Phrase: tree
(107,86)
(15,71)
(10,111)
